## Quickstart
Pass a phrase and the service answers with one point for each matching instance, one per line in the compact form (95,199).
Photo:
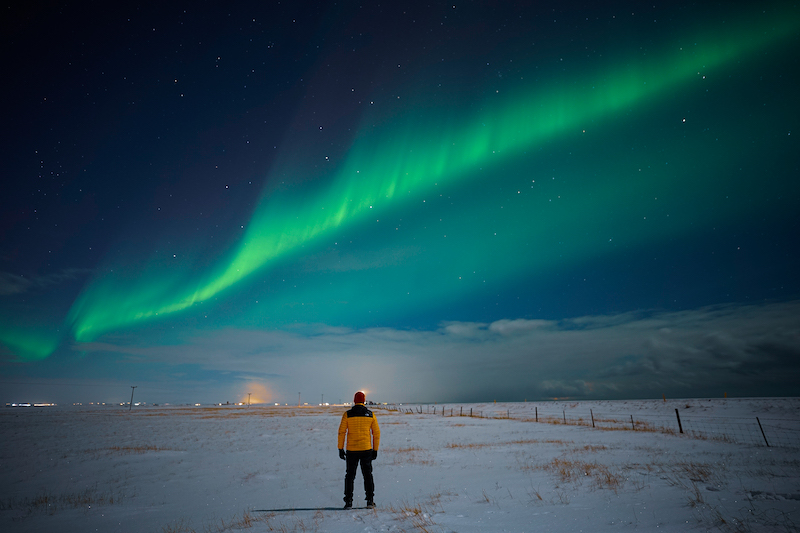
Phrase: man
(360,428)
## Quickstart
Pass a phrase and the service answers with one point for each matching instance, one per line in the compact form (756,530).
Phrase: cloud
(518,326)
(13,283)
(464,329)
(18,284)
(747,350)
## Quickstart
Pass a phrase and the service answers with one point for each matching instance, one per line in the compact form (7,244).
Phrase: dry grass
(535,495)
(571,471)
(590,448)
(264,522)
(249,477)
(409,449)
(697,472)
(137,449)
(519,442)
(639,426)
(411,454)
(50,503)
(605,424)
(420,516)
(720,437)
(472,445)
(124,450)
(687,474)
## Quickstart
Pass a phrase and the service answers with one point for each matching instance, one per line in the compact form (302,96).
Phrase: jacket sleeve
(376,434)
(342,431)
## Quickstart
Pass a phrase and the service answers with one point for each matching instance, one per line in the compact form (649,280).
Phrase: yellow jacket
(360,427)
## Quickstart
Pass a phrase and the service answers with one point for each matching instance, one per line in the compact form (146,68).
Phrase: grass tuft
(420,516)
(49,503)
(411,454)
(569,471)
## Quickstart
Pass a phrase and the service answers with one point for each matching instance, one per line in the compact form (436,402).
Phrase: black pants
(353,460)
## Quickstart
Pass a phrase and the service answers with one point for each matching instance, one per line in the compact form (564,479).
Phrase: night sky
(433,202)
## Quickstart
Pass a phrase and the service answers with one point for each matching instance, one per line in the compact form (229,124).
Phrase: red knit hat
(360,397)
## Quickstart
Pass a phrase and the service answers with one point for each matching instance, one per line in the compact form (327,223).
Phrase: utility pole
(323,400)
(131,405)
(298,399)
(248,399)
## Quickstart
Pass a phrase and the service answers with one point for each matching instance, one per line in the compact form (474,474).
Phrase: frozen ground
(183,469)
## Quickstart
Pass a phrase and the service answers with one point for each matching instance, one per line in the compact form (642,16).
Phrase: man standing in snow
(360,428)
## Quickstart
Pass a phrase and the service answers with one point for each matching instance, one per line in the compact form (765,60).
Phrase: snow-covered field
(182,469)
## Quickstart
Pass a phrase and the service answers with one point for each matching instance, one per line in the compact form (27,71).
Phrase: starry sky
(432,202)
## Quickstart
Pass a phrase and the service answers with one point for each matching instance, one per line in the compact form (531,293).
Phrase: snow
(215,469)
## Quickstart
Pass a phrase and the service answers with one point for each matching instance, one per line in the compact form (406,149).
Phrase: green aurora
(411,167)
(29,346)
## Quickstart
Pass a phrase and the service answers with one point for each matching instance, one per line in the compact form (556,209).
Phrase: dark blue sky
(433,202)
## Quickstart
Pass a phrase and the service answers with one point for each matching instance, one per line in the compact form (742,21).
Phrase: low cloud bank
(751,350)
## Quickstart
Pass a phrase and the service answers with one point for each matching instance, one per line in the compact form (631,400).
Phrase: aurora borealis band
(613,164)
(405,167)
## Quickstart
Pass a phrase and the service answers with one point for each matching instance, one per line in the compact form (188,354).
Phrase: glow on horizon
(385,170)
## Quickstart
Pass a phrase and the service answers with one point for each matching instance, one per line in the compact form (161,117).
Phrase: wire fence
(769,432)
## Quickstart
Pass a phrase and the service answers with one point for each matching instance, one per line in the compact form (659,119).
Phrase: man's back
(361,428)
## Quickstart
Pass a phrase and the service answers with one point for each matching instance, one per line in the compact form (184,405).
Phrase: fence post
(632,426)
(565,415)
(762,431)
(537,413)
(591,413)
(470,412)
(462,411)
(680,427)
